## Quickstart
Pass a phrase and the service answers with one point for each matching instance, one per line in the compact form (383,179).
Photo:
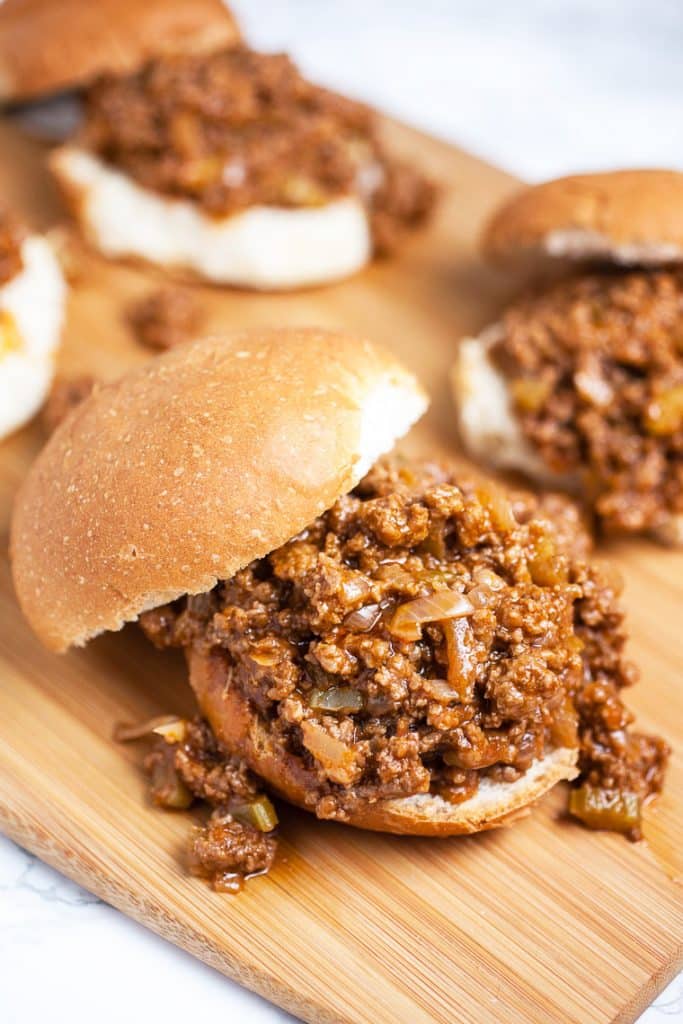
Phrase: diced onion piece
(177,796)
(487,585)
(440,690)
(433,579)
(258,813)
(270,652)
(593,387)
(563,728)
(408,618)
(494,748)
(489,578)
(546,566)
(495,500)
(355,587)
(396,575)
(664,415)
(299,190)
(612,809)
(227,882)
(168,789)
(529,393)
(172,732)
(266,659)
(461,662)
(363,619)
(339,699)
(202,171)
(435,542)
(123,733)
(481,596)
(337,759)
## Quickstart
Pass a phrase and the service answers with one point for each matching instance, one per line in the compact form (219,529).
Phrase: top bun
(628,217)
(50,45)
(194,465)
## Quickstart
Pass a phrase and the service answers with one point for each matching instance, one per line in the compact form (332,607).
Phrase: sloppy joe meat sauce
(240,837)
(595,366)
(237,128)
(423,634)
(165,317)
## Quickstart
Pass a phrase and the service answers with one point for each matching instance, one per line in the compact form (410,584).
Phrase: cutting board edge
(82,870)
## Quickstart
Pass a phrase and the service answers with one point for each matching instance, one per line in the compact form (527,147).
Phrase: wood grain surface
(545,922)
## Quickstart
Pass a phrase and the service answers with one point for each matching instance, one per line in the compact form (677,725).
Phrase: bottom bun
(262,247)
(245,735)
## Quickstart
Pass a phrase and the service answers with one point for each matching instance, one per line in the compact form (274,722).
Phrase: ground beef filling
(423,634)
(11,237)
(239,128)
(595,366)
(239,840)
(166,317)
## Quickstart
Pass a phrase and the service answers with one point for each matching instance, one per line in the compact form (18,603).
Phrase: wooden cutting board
(544,922)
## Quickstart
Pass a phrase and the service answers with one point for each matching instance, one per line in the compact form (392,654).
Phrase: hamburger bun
(47,47)
(31,314)
(189,468)
(243,733)
(262,247)
(632,217)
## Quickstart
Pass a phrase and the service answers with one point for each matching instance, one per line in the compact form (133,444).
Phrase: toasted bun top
(50,45)
(630,217)
(190,467)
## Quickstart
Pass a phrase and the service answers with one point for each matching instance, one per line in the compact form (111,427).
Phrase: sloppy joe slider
(381,641)
(233,166)
(580,382)
(192,151)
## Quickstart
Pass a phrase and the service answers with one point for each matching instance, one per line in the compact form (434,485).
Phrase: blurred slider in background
(187,149)
(580,383)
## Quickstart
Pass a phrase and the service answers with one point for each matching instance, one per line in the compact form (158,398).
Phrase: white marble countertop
(541,87)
